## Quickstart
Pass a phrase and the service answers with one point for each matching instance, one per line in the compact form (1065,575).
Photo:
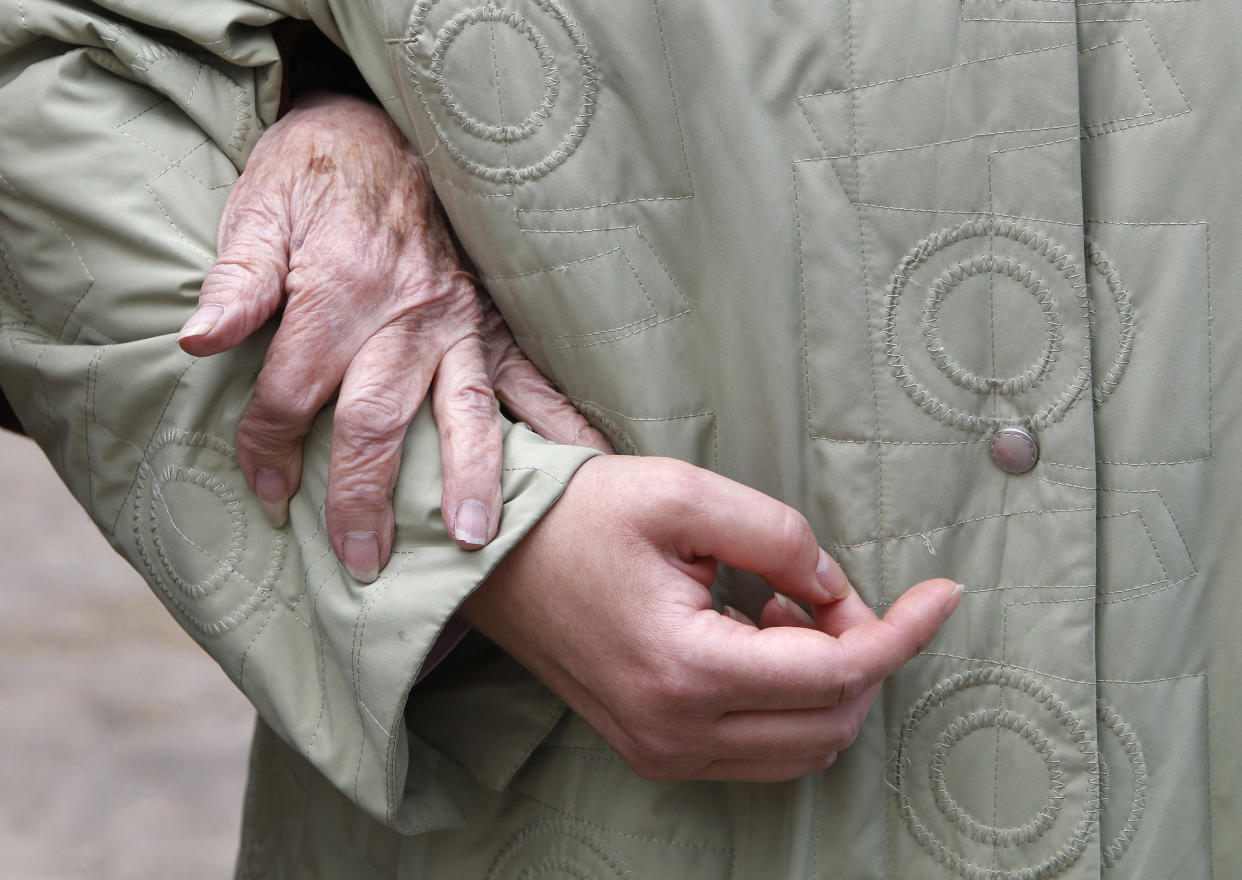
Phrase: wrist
(527,577)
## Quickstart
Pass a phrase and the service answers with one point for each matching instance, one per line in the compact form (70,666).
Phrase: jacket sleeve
(124,124)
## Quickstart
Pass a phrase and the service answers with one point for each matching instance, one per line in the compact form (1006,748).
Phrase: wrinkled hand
(335,217)
(607,602)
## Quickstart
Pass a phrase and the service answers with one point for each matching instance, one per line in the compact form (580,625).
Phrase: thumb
(882,646)
(243,289)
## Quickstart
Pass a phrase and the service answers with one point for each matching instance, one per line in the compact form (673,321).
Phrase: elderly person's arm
(335,218)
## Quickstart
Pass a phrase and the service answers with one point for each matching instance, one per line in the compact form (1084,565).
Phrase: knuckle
(474,399)
(362,494)
(225,278)
(362,489)
(255,451)
(680,484)
(906,640)
(656,755)
(794,531)
(278,412)
(379,415)
(252,280)
(843,734)
(270,427)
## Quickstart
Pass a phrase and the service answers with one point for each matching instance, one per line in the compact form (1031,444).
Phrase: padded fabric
(825,248)
(120,141)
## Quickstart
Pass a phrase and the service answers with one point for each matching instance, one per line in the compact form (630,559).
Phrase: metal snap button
(1014,450)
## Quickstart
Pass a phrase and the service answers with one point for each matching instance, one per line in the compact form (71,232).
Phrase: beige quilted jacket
(829,248)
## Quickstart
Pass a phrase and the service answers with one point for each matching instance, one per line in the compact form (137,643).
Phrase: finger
(774,668)
(380,393)
(471,444)
(303,368)
(798,668)
(655,763)
(788,734)
(879,648)
(739,526)
(698,747)
(533,399)
(246,285)
(783,611)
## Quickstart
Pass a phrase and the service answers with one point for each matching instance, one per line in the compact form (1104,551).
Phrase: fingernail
(950,604)
(470,524)
(738,616)
(361,552)
(273,491)
(831,577)
(793,609)
(203,320)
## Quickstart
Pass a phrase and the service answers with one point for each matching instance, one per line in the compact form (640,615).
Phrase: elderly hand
(335,217)
(607,602)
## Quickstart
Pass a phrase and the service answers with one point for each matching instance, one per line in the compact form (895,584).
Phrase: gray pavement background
(122,745)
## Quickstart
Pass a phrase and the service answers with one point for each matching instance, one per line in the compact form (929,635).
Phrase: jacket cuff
(370,643)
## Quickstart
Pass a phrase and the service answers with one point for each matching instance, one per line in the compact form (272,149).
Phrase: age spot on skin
(321,164)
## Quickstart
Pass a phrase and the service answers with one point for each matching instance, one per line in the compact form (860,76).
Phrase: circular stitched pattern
(1056,257)
(1125,317)
(967,824)
(1112,851)
(1063,724)
(959,375)
(494,14)
(207,568)
(561,42)
(224,498)
(556,849)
